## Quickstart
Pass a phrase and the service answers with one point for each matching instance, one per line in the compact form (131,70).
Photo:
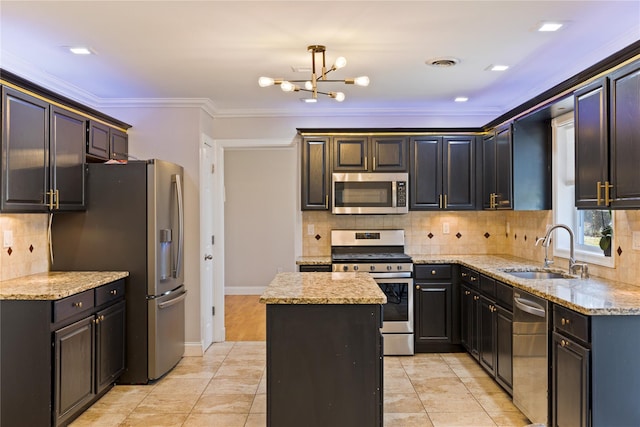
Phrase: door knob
(208,257)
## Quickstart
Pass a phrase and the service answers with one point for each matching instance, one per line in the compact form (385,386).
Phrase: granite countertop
(55,285)
(323,288)
(593,296)
(314,260)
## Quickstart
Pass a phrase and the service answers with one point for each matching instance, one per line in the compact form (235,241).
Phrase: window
(587,225)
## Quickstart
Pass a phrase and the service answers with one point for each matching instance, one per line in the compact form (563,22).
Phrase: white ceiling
(216,50)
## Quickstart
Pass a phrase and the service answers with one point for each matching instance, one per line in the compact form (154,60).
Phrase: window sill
(588,257)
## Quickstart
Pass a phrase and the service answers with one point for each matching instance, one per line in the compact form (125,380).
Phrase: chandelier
(312,84)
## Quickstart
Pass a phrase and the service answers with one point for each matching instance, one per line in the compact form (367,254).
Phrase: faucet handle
(538,240)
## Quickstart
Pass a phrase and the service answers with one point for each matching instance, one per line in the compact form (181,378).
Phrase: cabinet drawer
(314,268)
(435,271)
(488,285)
(470,277)
(570,322)
(74,304)
(109,292)
(504,295)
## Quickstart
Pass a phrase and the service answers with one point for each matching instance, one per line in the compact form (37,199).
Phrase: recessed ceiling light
(80,50)
(443,62)
(497,67)
(549,26)
(308,100)
(461,99)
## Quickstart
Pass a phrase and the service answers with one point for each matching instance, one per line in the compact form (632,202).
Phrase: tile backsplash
(29,252)
(475,232)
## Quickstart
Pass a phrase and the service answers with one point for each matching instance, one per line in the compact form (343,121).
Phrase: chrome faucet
(573,265)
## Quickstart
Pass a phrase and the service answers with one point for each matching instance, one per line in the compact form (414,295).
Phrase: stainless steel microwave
(370,193)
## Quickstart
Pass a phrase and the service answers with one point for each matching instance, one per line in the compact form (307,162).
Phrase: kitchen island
(324,350)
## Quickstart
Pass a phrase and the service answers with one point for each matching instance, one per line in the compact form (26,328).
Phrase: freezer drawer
(166,332)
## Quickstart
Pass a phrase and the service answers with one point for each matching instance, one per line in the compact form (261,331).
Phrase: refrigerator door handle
(173,301)
(177,180)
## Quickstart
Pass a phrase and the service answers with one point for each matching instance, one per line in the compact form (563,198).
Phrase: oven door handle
(396,275)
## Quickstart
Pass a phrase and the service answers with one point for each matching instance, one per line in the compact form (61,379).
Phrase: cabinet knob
(564,321)
(467,292)
(417,286)
(564,343)
(433,272)
(77,304)
(113,292)
(476,297)
(464,274)
(473,278)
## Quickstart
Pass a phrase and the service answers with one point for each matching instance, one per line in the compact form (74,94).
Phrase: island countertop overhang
(323,288)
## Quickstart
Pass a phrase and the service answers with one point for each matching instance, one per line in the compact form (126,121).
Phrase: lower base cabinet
(570,382)
(58,357)
(324,365)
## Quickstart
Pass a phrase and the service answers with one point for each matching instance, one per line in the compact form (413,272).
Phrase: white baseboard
(193,349)
(244,290)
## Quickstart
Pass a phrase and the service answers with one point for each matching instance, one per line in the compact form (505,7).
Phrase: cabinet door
(504,348)
(426,173)
(487,334)
(433,312)
(624,143)
(488,170)
(119,144)
(469,324)
(350,154)
(315,173)
(67,145)
(98,144)
(504,168)
(459,173)
(390,154)
(570,383)
(74,368)
(591,139)
(110,342)
(25,152)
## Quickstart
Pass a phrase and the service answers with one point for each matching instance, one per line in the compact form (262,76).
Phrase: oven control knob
(345,268)
(355,268)
(399,267)
(389,267)
(373,267)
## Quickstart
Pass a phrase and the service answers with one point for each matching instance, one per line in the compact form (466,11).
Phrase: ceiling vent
(444,62)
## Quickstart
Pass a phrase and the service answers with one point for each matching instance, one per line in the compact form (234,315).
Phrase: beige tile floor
(227,388)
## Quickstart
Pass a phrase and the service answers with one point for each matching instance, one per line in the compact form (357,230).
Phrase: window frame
(582,253)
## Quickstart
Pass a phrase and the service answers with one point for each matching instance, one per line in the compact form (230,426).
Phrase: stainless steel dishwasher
(530,364)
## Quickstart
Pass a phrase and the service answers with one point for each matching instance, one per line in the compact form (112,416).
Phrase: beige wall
(29,253)
(524,228)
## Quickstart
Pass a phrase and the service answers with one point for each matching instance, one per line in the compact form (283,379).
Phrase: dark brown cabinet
(442,173)
(370,154)
(607,141)
(43,155)
(316,177)
(436,316)
(105,142)
(570,382)
(469,310)
(64,355)
(497,169)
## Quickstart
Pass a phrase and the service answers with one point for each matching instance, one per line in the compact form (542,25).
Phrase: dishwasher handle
(529,306)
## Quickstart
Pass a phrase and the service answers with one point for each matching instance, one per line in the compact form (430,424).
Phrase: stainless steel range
(381,253)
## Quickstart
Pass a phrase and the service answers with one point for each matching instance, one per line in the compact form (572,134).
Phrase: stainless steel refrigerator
(134,222)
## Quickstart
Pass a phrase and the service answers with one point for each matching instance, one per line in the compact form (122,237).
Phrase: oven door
(398,311)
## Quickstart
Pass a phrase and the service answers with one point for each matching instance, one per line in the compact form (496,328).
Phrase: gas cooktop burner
(371,257)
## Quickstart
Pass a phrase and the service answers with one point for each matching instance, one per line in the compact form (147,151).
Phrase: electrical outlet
(508,228)
(8,238)
(636,241)
(445,228)
(311,229)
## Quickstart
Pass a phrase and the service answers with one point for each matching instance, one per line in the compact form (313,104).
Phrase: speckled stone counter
(313,260)
(55,285)
(591,296)
(323,288)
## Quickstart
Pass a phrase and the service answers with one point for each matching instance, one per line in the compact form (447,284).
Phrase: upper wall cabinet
(497,190)
(315,173)
(517,165)
(42,155)
(442,173)
(106,142)
(607,113)
(370,154)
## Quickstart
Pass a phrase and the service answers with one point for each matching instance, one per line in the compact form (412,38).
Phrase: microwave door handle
(394,194)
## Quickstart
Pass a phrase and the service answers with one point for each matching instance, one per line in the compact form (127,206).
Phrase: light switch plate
(445,228)
(311,229)
(7,238)
(636,241)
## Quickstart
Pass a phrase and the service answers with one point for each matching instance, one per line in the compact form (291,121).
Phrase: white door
(207,238)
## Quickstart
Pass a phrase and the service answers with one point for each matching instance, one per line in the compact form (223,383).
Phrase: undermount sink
(538,274)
